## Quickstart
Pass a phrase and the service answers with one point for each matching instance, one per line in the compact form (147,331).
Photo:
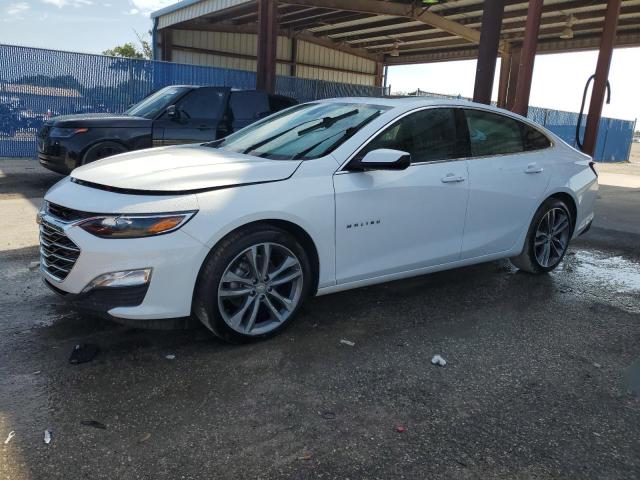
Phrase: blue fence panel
(36,84)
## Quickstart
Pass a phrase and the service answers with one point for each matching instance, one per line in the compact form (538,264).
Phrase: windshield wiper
(346,134)
(325,122)
(328,122)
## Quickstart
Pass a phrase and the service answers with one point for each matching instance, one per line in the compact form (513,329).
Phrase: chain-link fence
(36,84)
(614,135)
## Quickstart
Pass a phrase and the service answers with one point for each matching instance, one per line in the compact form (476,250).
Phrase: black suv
(172,115)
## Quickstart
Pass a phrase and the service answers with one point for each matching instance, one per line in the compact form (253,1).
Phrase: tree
(128,50)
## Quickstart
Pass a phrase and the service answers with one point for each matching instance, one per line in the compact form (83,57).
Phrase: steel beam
(513,78)
(488,50)
(400,10)
(267,45)
(503,85)
(602,73)
(528,57)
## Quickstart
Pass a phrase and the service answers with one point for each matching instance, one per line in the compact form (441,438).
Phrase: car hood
(182,169)
(94,120)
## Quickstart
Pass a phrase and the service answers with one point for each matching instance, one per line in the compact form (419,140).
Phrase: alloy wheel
(552,237)
(260,289)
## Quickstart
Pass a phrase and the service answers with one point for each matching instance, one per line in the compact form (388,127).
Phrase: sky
(93,26)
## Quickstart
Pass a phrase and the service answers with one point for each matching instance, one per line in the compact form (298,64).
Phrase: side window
(204,103)
(248,105)
(428,135)
(493,134)
(534,139)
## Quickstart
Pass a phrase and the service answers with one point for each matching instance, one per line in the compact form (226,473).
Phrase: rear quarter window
(495,134)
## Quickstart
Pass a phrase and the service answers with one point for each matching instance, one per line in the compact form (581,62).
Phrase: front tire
(102,150)
(547,239)
(252,284)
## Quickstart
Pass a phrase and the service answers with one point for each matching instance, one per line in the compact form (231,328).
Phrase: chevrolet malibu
(319,198)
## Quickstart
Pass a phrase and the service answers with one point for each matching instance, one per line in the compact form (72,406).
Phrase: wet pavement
(542,381)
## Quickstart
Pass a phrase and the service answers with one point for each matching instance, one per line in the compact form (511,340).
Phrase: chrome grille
(66,214)
(58,253)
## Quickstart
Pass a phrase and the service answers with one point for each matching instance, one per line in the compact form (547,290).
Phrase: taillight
(592,166)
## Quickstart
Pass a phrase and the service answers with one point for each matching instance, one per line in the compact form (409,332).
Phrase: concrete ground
(542,379)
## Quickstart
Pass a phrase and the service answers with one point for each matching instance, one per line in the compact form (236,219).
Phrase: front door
(199,114)
(395,221)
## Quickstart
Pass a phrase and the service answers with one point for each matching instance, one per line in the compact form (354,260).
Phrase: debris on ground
(10,436)
(34,266)
(94,424)
(47,437)
(347,342)
(328,415)
(171,356)
(306,456)
(400,429)
(145,437)
(83,352)
(438,360)
(597,365)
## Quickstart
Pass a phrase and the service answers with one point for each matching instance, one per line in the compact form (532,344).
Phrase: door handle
(533,168)
(451,178)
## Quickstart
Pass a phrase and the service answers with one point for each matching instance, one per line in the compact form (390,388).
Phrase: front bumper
(55,155)
(175,259)
(101,300)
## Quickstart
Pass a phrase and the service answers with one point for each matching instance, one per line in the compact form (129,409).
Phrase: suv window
(248,105)
(280,102)
(427,135)
(202,103)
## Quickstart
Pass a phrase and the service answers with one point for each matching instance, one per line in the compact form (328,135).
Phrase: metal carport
(352,41)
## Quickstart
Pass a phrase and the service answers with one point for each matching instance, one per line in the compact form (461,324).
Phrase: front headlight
(135,226)
(57,132)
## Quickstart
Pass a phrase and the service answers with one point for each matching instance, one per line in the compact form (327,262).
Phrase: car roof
(409,103)
(403,101)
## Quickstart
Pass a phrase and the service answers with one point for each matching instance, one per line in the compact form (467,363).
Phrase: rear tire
(102,150)
(242,298)
(547,239)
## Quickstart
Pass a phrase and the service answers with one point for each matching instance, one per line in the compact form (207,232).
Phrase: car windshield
(306,131)
(155,103)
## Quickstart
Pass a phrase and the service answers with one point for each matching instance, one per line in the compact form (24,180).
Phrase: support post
(528,57)
(267,44)
(607,42)
(294,57)
(379,74)
(167,43)
(513,78)
(488,50)
(503,85)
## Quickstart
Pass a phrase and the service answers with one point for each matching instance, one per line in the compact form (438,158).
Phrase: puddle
(615,273)
(632,377)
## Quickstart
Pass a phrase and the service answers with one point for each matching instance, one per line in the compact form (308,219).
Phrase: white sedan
(322,197)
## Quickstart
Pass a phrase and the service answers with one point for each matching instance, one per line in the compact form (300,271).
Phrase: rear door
(247,107)
(200,113)
(509,172)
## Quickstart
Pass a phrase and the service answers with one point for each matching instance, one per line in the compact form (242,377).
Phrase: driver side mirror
(382,159)
(172,112)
